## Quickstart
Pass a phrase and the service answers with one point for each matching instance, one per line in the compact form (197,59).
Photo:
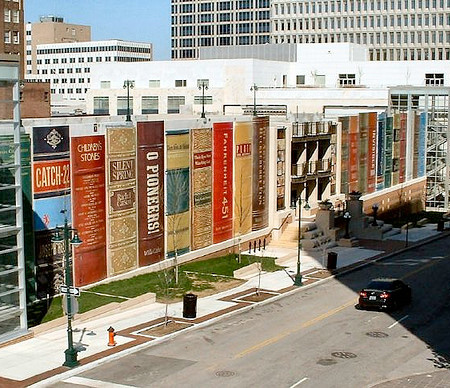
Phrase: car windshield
(380,285)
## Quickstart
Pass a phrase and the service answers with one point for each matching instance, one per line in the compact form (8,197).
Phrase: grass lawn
(162,283)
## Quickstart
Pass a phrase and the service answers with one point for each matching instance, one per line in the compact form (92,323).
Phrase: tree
(243,210)
(177,211)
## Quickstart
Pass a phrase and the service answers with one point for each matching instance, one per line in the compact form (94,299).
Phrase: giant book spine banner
(260,207)
(415,146)
(345,156)
(243,178)
(353,154)
(7,197)
(178,193)
(281,168)
(222,182)
(371,152)
(363,151)
(51,203)
(396,149)
(381,150)
(121,199)
(402,164)
(150,162)
(89,208)
(422,145)
(201,172)
(388,163)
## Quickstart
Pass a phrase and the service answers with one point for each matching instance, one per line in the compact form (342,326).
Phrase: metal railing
(314,128)
(312,167)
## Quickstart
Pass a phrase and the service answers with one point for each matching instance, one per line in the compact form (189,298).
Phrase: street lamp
(127,84)
(203,86)
(254,88)
(375,211)
(298,276)
(69,238)
(347,217)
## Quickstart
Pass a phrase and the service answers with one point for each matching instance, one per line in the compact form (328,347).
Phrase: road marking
(280,336)
(430,264)
(299,382)
(94,383)
(397,322)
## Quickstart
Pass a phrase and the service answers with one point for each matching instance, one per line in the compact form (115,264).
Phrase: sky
(136,20)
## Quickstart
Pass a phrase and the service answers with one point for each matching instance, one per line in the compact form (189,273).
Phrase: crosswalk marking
(94,383)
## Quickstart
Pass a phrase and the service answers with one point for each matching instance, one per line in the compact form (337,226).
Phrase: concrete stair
(381,231)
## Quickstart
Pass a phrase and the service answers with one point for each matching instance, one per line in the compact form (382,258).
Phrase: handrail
(278,228)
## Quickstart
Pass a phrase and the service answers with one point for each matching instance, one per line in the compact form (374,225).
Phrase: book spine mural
(396,150)
(402,159)
(381,151)
(89,208)
(243,178)
(422,145)
(51,203)
(372,152)
(415,146)
(201,174)
(150,160)
(260,207)
(363,152)
(281,168)
(353,154)
(178,192)
(345,156)
(121,199)
(223,182)
(388,153)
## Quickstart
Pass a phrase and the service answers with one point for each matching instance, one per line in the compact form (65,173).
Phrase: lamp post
(375,211)
(347,217)
(254,88)
(70,352)
(203,86)
(298,276)
(127,84)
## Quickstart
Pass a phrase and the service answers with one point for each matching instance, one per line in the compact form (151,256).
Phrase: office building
(392,30)
(11,28)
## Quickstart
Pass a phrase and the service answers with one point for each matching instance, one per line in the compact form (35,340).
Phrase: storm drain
(326,361)
(343,355)
(225,373)
(377,334)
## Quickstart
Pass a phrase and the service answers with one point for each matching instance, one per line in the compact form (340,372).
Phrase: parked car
(384,294)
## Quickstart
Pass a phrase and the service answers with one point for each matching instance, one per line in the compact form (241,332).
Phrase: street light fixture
(203,86)
(298,276)
(127,84)
(254,89)
(347,217)
(70,237)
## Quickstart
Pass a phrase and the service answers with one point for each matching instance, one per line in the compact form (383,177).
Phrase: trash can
(440,226)
(190,306)
(332,260)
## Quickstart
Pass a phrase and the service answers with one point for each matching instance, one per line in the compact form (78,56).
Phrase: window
(198,100)
(105,84)
(300,80)
(101,105)
(7,17)
(149,104)
(174,103)
(154,83)
(78,70)
(180,83)
(432,79)
(122,105)
(347,79)
(16,37)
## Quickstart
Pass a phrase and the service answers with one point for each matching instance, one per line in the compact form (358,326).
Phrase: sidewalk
(39,358)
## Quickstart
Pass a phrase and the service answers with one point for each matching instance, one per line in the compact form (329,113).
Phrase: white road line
(299,382)
(397,322)
(94,383)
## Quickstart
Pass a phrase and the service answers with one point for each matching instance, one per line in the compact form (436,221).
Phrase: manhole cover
(377,334)
(343,355)
(225,373)
(326,361)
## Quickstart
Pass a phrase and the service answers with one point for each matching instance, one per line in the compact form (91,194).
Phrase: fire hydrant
(111,336)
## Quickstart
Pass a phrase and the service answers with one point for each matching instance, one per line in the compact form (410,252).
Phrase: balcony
(312,130)
(311,169)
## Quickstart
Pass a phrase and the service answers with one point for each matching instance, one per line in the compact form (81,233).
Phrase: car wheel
(358,306)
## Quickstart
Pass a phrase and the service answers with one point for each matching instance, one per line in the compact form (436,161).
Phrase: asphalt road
(314,338)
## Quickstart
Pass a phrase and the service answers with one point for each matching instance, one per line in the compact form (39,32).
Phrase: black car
(384,294)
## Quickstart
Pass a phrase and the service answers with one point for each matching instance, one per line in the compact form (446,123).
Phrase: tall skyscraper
(393,30)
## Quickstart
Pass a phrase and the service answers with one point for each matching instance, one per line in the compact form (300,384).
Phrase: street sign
(73,304)
(75,291)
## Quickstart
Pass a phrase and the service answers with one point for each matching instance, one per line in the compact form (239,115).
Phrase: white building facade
(67,66)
